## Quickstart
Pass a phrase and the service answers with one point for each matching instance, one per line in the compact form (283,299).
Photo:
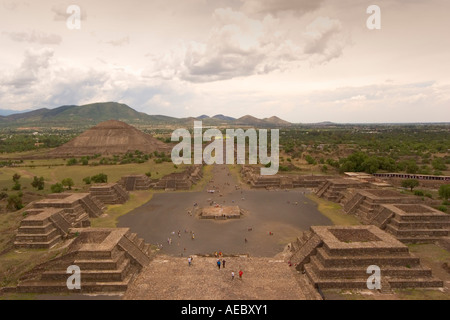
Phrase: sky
(303,61)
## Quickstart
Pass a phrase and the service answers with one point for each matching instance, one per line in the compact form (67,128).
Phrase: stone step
(140,243)
(418,240)
(86,287)
(361,272)
(132,237)
(36,229)
(419,224)
(423,217)
(101,264)
(29,222)
(361,283)
(102,275)
(42,237)
(147,249)
(38,245)
(417,232)
(395,259)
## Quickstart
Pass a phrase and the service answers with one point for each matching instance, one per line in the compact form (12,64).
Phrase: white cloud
(240,46)
(34,37)
(276,6)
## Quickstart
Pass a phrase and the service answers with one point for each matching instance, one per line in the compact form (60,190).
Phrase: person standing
(218,263)
(223,263)
(240,274)
(189,261)
(232,275)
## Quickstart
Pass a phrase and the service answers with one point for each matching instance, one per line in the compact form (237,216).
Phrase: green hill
(90,113)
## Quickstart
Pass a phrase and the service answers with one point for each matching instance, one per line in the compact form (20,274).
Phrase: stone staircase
(92,206)
(111,193)
(335,189)
(109,260)
(135,182)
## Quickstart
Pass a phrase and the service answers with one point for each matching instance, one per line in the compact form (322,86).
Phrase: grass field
(334,212)
(53,174)
(16,263)
(110,218)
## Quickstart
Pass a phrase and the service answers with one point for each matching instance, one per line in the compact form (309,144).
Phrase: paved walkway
(170,278)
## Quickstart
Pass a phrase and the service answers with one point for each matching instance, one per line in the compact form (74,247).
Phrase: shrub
(444,191)
(3,195)
(38,183)
(99,178)
(419,193)
(16,177)
(148,174)
(87,180)
(68,182)
(14,202)
(16,186)
(72,162)
(57,188)
(442,208)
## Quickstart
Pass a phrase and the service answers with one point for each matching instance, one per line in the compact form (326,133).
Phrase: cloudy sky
(304,61)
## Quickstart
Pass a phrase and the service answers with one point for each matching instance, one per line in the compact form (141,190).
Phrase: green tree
(68,182)
(100,178)
(87,180)
(72,162)
(57,188)
(444,191)
(439,164)
(412,167)
(16,177)
(410,183)
(14,202)
(16,186)
(38,183)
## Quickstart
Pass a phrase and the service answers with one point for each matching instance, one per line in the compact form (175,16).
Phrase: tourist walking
(232,275)
(240,274)
(223,263)
(218,263)
(189,261)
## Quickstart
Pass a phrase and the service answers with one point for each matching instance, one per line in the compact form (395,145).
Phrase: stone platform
(338,257)
(180,180)
(413,223)
(222,212)
(109,260)
(366,204)
(135,182)
(109,193)
(334,189)
(71,202)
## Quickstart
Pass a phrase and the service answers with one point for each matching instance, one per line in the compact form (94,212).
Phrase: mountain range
(99,112)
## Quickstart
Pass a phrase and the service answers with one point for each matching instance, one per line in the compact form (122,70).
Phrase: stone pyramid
(110,138)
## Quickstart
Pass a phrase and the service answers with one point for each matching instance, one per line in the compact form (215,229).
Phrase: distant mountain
(7,112)
(223,118)
(98,112)
(276,120)
(90,113)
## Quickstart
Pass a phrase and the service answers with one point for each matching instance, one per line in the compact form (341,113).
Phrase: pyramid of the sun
(110,138)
